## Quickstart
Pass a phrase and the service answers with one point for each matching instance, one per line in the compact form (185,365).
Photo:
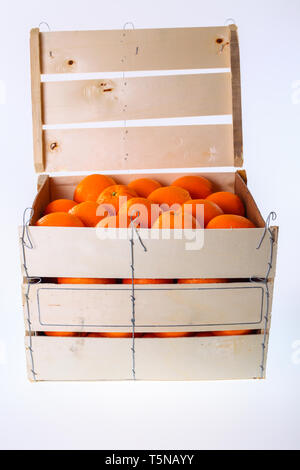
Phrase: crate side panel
(158,308)
(81,358)
(80,101)
(139,49)
(232,357)
(79,252)
(138,147)
(69,359)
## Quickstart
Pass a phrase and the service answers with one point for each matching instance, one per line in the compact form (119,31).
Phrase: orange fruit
(114,335)
(60,205)
(201,281)
(230,221)
(177,220)
(144,186)
(110,335)
(230,203)
(231,332)
(91,186)
(210,209)
(85,280)
(115,221)
(60,333)
(203,334)
(87,213)
(112,194)
(168,196)
(198,186)
(59,219)
(141,209)
(148,281)
(171,334)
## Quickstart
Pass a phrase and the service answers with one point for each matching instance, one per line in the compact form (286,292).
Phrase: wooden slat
(137,98)
(236,97)
(79,359)
(138,147)
(36,100)
(252,211)
(42,198)
(172,307)
(78,252)
(141,49)
(233,357)
(194,358)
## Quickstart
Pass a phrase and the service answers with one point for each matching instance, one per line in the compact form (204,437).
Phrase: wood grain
(195,358)
(236,97)
(225,253)
(36,100)
(131,50)
(98,149)
(136,98)
(169,307)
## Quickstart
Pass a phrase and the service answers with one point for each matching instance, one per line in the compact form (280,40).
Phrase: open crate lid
(199,76)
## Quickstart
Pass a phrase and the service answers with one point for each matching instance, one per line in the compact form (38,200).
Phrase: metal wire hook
(229,21)
(132,223)
(25,230)
(272,216)
(45,23)
(128,23)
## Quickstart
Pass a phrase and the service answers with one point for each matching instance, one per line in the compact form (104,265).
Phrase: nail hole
(53,145)
(219,40)
(70,62)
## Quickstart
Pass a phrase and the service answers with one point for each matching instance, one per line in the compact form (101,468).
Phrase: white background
(240,414)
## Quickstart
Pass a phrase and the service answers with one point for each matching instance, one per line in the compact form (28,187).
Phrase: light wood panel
(79,252)
(236,96)
(36,100)
(170,307)
(138,147)
(139,49)
(233,357)
(136,98)
(194,358)
(79,359)
(42,198)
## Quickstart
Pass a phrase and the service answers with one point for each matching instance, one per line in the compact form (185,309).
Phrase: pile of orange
(189,202)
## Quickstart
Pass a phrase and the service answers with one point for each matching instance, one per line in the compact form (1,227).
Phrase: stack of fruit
(100,202)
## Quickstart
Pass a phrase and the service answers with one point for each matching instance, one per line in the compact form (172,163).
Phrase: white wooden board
(194,358)
(78,252)
(136,98)
(171,307)
(139,49)
(116,148)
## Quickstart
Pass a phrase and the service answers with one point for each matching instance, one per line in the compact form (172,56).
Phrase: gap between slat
(184,121)
(151,73)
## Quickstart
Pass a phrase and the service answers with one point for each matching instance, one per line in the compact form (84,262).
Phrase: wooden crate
(178,91)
